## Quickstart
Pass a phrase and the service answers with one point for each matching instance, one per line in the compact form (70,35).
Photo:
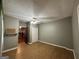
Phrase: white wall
(11,41)
(76,29)
(33,33)
(57,32)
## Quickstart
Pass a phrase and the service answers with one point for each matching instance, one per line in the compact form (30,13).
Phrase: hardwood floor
(39,51)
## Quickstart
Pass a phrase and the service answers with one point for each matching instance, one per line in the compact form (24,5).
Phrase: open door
(23,32)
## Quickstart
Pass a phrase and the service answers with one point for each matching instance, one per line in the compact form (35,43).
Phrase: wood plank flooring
(39,51)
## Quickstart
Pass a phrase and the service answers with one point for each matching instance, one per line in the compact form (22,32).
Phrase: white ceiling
(48,9)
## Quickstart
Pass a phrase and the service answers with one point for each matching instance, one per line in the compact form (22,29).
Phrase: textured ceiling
(48,9)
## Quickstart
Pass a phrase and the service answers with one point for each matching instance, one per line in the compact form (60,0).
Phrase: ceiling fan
(37,20)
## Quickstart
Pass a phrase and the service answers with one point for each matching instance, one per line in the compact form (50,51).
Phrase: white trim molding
(33,42)
(60,47)
(74,54)
(30,43)
(56,45)
(9,50)
(2,36)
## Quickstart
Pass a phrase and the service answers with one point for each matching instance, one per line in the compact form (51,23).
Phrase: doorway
(23,32)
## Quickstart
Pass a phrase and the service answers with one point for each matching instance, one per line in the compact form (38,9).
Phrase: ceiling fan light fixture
(35,22)
(34,18)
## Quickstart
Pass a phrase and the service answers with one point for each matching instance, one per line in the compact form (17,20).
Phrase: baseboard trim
(30,43)
(60,47)
(33,42)
(9,50)
(74,54)
(56,45)
(45,43)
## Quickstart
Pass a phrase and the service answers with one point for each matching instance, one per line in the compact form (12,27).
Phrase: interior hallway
(39,51)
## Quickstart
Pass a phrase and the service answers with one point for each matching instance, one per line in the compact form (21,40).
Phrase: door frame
(2,37)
